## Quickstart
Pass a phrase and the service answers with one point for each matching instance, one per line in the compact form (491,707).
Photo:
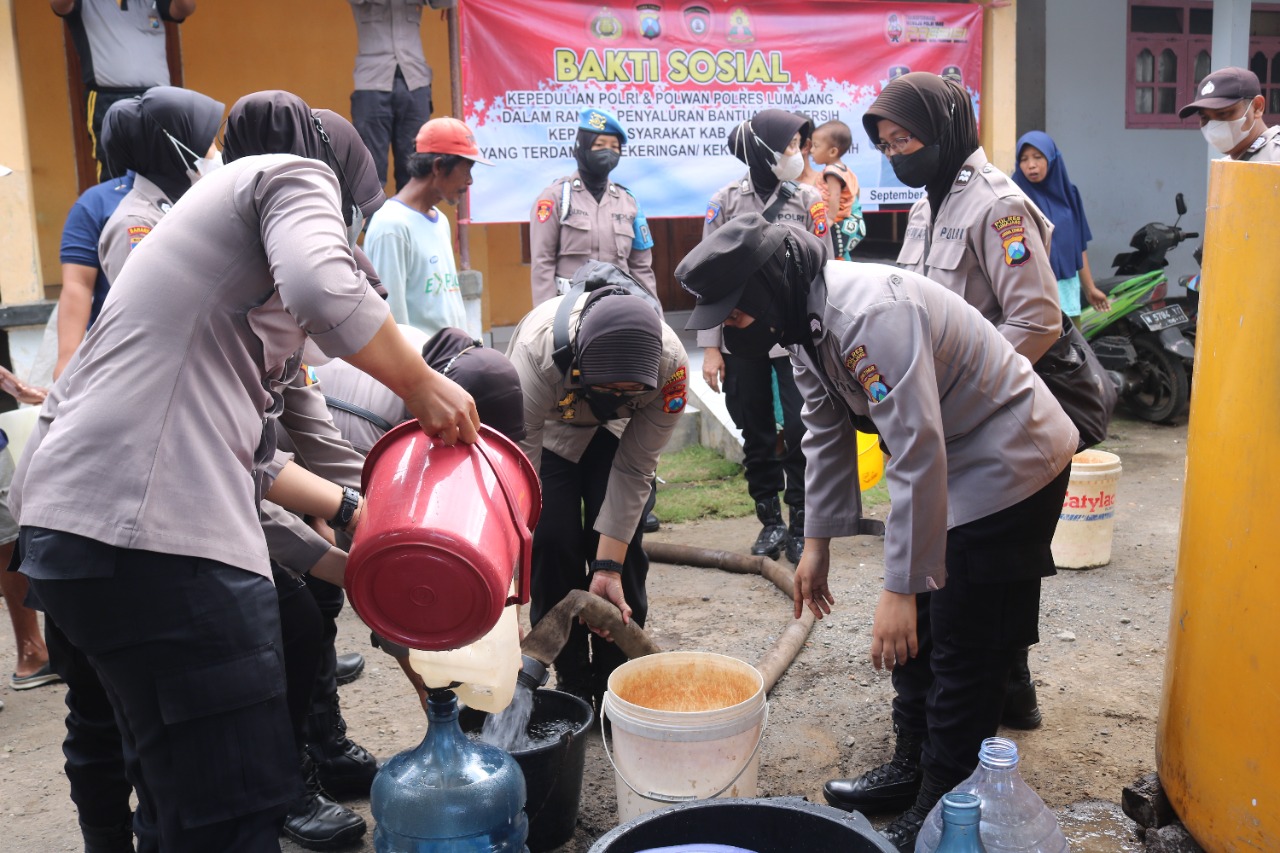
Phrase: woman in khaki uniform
(584,216)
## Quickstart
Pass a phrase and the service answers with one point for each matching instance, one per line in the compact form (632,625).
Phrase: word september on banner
(679,75)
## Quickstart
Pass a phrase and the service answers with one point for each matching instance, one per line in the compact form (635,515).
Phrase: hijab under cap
(619,340)
(485,373)
(276,122)
(937,111)
(760,140)
(1059,199)
(134,135)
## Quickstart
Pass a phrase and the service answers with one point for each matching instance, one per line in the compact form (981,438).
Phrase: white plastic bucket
(686,726)
(1085,527)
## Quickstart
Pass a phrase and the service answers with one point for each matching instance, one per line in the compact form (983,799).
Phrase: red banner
(679,75)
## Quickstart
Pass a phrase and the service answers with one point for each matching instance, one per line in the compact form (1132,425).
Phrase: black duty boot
(651,523)
(315,821)
(346,768)
(774,533)
(1020,708)
(887,788)
(108,839)
(795,535)
(349,667)
(902,832)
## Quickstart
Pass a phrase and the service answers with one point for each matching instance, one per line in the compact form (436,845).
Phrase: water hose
(551,633)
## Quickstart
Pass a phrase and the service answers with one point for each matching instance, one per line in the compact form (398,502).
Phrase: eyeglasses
(897,145)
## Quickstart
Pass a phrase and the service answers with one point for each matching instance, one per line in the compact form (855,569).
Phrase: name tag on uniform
(951,233)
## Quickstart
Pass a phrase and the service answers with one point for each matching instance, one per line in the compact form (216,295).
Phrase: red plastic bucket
(444,532)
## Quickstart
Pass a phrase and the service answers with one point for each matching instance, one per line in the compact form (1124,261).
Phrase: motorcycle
(1142,341)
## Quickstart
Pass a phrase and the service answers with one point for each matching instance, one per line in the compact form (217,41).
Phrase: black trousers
(970,631)
(748,393)
(97,102)
(328,600)
(391,120)
(188,652)
(565,541)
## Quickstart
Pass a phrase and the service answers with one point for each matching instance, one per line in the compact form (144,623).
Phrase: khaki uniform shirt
(971,428)
(350,384)
(154,435)
(389,36)
(806,211)
(1266,148)
(602,231)
(558,419)
(139,211)
(990,244)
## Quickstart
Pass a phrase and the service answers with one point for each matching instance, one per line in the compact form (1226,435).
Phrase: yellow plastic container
(870,461)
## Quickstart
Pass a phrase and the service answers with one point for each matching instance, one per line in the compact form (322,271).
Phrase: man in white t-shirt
(409,239)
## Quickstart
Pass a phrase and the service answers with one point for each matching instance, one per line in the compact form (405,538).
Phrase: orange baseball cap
(448,136)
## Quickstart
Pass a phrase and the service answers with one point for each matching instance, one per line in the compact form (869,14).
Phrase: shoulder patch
(965,174)
(545,207)
(854,358)
(713,210)
(136,233)
(873,383)
(309,376)
(1013,238)
(675,391)
(818,213)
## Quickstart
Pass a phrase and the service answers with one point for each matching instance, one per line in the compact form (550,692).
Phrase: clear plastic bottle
(961,814)
(450,794)
(1014,818)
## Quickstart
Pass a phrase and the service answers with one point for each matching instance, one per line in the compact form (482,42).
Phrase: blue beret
(601,121)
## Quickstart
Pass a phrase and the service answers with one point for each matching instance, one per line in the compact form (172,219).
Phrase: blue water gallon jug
(960,816)
(450,794)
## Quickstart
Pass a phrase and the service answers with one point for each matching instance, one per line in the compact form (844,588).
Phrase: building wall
(229,49)
(1126,177)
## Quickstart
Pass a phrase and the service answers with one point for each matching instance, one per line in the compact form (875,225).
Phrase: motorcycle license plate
(1163,318)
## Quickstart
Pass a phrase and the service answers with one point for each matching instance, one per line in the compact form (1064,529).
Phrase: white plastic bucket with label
(1087,522)
(686,726)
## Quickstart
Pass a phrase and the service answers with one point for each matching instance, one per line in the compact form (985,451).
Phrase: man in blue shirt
(84,286)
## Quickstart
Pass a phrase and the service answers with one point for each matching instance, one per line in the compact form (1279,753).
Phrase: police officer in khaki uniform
(1230,106)
(974,232)
(166,137)
(596,420)
(979,456)
(585,216)
(769,144)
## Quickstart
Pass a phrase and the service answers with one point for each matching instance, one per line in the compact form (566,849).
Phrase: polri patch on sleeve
(854,358)
(545,206)
(873,383)
(1013,238)
(818,213)
(674,392)
(309,375)
(713,210)
(136,233)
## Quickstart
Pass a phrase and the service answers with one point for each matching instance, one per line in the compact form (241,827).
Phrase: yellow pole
(19,279)
(1217,749)
(998,121)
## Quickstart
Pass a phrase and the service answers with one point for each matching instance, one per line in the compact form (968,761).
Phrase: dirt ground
(1098,668)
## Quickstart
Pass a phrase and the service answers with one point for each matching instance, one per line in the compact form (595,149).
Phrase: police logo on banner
(650,22)
(697,21)
(893,28)
(739,27)
(605,26)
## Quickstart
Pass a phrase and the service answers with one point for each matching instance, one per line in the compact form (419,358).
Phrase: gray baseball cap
(1222,88)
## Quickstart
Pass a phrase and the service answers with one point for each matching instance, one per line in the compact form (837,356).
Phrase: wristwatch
(346,510)
(606,566)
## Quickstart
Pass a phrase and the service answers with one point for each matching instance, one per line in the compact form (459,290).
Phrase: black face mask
(754,341)
(918,168)
(605,404)
(602,161)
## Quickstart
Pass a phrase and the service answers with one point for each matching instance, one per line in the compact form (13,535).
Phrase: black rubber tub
(763,825)
(553,772)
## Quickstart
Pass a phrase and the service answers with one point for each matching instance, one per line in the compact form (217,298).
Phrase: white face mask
(789,167)
(197,166)
(1226,135)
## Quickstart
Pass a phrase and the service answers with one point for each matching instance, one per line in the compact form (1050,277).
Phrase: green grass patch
(700,483)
